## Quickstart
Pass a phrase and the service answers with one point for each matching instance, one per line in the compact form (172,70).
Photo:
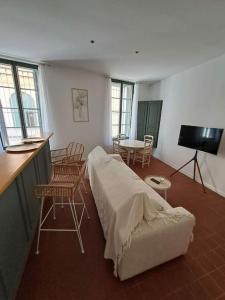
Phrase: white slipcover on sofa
(141,229)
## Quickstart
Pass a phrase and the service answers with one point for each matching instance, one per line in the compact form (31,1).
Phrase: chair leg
(84,186)
(39,226)
(82,198)
(134,157)
(62,202)
(143,160)
(74,215)
(54,211)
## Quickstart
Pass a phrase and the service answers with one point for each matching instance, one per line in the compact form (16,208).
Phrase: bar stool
(65,183)
(58,175)
(79,164)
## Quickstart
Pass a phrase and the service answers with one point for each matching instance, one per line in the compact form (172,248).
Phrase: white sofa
(127,207)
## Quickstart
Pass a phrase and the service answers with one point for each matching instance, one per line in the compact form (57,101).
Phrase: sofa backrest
(119,171)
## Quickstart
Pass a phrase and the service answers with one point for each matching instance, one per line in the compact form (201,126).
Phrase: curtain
(133,129)
(1,143)
(108,114)
(44,97)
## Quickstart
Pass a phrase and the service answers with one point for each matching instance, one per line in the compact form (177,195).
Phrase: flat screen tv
(200,138)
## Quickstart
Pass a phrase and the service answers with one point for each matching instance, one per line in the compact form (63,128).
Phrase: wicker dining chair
(65,183)
(118,150)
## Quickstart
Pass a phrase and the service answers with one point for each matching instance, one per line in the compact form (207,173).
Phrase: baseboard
(185,172)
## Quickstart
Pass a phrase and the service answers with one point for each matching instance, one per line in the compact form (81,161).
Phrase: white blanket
(123,201)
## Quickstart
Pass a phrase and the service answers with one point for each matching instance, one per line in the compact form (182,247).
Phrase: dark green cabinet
(148,121)
(19,211)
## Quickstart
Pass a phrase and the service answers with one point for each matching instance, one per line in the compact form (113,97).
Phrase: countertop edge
(23,165)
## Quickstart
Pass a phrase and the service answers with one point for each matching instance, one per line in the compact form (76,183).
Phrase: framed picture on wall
(80,105)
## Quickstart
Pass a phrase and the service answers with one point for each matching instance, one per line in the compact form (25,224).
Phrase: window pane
(9,111)
(29,99)
(33,132)
(127,91)
(115,118)
(6,77)
(11,123)
(116,90)
(11,117)
(115,131)
(26,78)
(125,129)
(115,104)
(31,118)
(29,96)
(126,105)
(125,118)
(126,108)
(126,98)
(14,136)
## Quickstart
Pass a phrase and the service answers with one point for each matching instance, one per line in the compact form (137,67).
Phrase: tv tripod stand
(195,159)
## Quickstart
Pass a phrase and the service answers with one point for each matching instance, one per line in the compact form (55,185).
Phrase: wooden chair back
(116,143)
(149,139)
(121,136)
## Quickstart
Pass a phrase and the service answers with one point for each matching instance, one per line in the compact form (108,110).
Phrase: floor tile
(62,272)
(219,278)
(210,286)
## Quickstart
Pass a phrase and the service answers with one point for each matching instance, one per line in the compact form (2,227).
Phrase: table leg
(128,157)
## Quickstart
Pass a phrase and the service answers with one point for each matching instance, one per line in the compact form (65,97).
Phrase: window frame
(122,82)
(14,65)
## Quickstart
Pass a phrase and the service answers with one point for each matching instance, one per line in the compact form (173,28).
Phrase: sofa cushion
(123,201)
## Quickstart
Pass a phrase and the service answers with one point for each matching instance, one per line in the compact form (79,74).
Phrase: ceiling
(171,35)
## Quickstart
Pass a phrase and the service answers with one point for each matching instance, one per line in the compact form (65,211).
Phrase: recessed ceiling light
(136,52)
(92,41)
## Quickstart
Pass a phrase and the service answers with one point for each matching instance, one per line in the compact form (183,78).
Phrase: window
(122,96)
(19,102)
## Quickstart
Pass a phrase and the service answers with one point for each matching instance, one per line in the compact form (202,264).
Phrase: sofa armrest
(181,211)
(155,243)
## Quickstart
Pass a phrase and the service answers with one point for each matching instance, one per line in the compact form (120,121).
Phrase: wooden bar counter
(19,210)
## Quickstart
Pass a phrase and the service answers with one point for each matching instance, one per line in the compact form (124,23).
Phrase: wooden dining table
(131,146)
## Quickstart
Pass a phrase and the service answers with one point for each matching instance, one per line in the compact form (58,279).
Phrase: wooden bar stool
(65,183)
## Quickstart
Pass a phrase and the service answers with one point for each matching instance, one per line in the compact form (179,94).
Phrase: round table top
(133,144)
(164,184)
(22,148)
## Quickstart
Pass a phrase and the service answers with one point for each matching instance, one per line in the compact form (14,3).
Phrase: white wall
(143,92)
(195,97)
(60,115)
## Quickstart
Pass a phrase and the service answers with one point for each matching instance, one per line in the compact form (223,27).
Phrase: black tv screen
(200,138)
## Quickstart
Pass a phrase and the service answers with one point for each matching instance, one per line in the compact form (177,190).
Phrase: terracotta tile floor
(62,272)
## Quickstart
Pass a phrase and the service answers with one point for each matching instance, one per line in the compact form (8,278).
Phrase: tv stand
(196,164)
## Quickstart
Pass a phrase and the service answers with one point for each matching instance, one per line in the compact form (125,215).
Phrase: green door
(141,120)
(153,120)
(149,115)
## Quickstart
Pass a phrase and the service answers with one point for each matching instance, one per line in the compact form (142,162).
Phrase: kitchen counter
(11,164)
(19,210)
